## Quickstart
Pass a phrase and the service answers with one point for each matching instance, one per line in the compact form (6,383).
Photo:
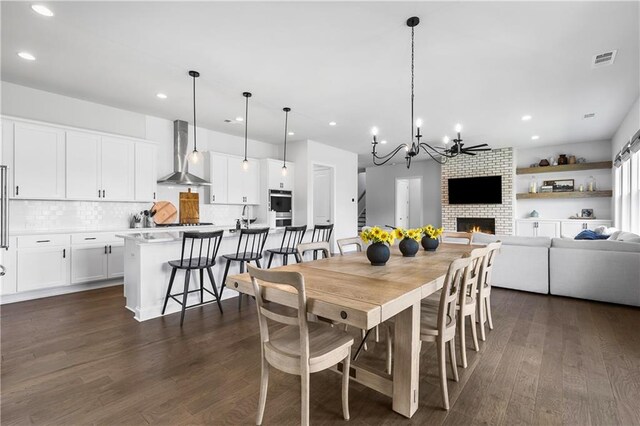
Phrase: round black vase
(378,254)
(409,247)
(430,244)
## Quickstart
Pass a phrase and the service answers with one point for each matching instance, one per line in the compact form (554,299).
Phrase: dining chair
(456,237)
(250,247)
(348,242)
(300,347)
(292,236)
(206,245)
(484,288)
(321,233)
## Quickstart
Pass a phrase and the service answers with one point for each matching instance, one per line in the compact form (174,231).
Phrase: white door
(548,229)
(322,196)
(39,153)
(117,168)
(145,172)
(402,204)
(525,228)
(88,263)
(116,261)
(83,166)
(42,268)
(218,176)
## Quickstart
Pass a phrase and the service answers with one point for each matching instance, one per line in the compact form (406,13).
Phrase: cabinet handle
(105,249)
(103,193)
(213,198)
(98,193)
(17,190)
(43,241)
(154,195)
(90,238)
(64,253)
(109,249)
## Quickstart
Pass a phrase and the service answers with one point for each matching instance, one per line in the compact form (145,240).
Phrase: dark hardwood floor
(83,359)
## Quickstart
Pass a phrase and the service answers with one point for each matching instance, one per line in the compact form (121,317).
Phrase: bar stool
(321,233)
(250,247)
(210,240)
(293,236)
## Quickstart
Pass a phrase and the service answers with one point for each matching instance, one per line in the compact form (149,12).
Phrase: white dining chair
(484,288)
(300,347)
(349,242)
(456,237)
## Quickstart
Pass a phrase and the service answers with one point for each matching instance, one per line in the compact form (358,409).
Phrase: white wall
(629,126)
(563,208)
(381,182)
(415,203)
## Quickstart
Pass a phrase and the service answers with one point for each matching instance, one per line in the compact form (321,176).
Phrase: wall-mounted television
(476,190)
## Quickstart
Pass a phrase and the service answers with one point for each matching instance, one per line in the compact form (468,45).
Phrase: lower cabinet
(571,228)
(42,267)
(97,262)
(556,228)
(115,262)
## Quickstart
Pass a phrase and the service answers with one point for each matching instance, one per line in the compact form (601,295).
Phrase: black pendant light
(195,157)
(247,95)
(439,154)
(286,122)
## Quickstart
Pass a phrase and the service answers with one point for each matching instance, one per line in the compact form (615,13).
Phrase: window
(627,195)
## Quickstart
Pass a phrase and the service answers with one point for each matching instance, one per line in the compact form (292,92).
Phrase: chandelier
(439,154)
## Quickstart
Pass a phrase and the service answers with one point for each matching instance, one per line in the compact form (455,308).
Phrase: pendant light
(196,156)
(286,122)
(247,95)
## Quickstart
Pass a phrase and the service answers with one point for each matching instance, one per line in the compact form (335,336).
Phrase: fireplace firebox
(476,224)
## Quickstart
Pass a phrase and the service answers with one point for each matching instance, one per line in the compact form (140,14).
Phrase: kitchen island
(147,273)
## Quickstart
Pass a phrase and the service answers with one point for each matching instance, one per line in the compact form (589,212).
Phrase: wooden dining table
(348,289)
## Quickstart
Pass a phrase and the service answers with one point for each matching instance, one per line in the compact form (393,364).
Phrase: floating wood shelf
(564,168)
(573,194)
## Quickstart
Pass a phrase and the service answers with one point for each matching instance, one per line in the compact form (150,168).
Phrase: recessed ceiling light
(291,133)
(383,142)
(332,123)
(526,117)
(590,115)
(161,95)
(535,137)
(239,119)
(26,55)
(42,10)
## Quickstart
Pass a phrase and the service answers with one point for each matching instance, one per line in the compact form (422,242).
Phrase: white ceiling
(484,64)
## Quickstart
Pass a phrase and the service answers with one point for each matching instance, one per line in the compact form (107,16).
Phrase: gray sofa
(604,270)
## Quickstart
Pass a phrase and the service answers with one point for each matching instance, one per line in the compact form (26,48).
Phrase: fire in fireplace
(476,224)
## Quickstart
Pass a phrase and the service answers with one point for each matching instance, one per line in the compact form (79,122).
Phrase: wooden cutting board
(166,212)
(189,207)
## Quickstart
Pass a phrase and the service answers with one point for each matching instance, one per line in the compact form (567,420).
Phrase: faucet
(245,218)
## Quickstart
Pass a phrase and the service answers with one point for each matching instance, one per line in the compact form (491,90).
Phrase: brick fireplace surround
(491,163)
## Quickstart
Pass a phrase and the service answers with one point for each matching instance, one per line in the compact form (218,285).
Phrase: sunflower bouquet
(431,232)
(377,235)
(414,234)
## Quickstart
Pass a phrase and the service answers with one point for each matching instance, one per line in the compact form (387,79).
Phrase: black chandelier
(439,154)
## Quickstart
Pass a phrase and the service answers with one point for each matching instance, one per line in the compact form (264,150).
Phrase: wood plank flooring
(83,359)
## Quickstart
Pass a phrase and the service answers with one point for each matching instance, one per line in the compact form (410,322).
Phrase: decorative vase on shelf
(430,244)
(562,159)
(378,254)
(409,247)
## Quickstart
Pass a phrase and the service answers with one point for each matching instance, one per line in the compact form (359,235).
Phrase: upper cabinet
(39,161)
(83,166)
(117,164)
(230,182)
(218,176)
(275,178)
(146,175)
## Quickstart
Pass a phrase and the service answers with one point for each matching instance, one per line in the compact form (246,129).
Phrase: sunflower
(398,233)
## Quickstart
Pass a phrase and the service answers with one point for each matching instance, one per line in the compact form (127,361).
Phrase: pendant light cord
(412,73)
(195,144)
(286,122)
(246,123)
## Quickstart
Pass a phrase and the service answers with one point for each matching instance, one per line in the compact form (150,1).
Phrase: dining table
(348,289)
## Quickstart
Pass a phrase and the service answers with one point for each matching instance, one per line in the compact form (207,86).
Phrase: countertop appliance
(280,202)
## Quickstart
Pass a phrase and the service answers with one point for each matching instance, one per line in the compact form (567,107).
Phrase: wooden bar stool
(250,248)
(293,236)
(209,242)
(321,233)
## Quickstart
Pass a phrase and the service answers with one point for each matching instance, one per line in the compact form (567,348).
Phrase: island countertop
(175,235)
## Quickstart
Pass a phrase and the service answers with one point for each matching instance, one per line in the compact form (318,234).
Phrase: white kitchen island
(147,272)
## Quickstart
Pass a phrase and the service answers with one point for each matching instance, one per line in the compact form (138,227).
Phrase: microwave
(280,201)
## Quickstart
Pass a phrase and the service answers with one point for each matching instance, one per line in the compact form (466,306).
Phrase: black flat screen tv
(476,190)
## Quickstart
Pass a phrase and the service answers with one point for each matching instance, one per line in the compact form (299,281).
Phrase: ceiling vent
(603,59)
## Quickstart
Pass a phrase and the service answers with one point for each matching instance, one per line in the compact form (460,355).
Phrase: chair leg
(304,399)
(264,384)
(482,317)
(270,260)
(389,350)
(166,298)
(463,346)
(474,332)
(345,385)
(452,359)
(442,372)
(258,263)
(363,335)
(224,277)
(489,317)
(187,274)
(201,285)
(298,258)
(285,259)
(215,290)
(240,294)
(377,334)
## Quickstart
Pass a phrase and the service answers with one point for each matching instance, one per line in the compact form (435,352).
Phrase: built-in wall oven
(280,202)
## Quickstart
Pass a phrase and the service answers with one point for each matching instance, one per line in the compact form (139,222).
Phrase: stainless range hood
(181,175)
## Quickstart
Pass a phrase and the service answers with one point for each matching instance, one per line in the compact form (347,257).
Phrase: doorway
(322,194)
(408,202)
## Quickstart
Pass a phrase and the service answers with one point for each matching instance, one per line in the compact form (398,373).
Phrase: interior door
(83,166)
(322,196)
(402,203)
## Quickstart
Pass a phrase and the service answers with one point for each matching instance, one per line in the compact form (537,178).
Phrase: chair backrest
(454,283)
(322,232)
(487,265)
(283,279)
(457,235)
(292,236)
(477,257)
(318,245)
(251,241)
(206,243)
(347,242)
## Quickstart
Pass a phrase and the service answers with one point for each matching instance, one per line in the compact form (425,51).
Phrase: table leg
(406,361)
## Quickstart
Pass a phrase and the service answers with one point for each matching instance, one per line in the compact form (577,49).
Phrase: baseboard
(56,291)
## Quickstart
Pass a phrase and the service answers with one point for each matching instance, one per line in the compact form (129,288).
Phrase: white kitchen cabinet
(88,263)
(275,178)
(571,228)
(83,166)
(549,229)
(145,172)
(538,228)
(251,183)
(39,161)
(117,166)
(115,260)
(42,267)
(243,185)
(218,175)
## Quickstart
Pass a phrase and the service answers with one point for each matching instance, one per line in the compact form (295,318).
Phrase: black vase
(409,247)
(378,254)
(430,244)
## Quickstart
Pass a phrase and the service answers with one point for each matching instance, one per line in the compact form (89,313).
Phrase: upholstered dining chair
(350,242)
(484,288)
(300,347)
